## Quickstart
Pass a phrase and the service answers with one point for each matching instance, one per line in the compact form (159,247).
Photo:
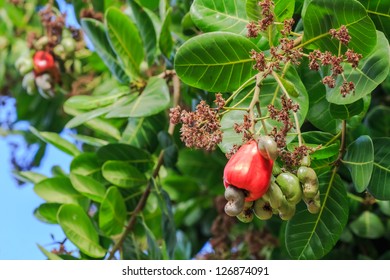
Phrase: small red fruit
(247,169)
(43,62)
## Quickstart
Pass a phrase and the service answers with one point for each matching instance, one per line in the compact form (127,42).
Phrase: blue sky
(20,231)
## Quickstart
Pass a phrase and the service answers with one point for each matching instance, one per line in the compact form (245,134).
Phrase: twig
(254,101)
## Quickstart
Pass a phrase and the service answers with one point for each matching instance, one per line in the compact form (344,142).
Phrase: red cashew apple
(43,62)
(248,170)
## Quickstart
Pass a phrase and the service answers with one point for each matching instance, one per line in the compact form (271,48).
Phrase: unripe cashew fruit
(246,216)
(274,195)
(235,198)
(313,204)
(268,147)
(69,45)
(286,210)
(262,209)
(306,161)
(308,177)
(28,83)
(276,170)
(24,65)
(290,186)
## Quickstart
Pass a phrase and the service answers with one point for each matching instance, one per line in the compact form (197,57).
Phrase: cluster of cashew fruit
(40,70)
(256,186)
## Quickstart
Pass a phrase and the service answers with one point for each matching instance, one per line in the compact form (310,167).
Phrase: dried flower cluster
(244,128)
(318,58)
(267,19)
(201,128)
(53,25)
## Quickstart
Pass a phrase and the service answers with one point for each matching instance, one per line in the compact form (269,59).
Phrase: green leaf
(86,164)
(125,40)
(57,190)
(379,12)
(79,229)
(217,61)
(319,16)
(283,9)
(378,121)
(384,206)
(380,178)
(57,141)
(359,160)
(344,112)
(270,93)
(122,174)
(146,28)
(165,41)
(29,176)
(154,251)
(93,141)
(142,132)
(49,255)
(112,212)
(47,212)
(88,187)
(372,71)
(89,102)
(95,31)
(312,236)
(368,225)
(133,155)
(153,100)
(220,15)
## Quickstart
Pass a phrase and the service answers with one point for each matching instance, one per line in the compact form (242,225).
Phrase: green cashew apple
(308,177)
(290,186)
(262,209)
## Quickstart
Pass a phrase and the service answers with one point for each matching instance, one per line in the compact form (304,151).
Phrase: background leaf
(378,121)
(154,99)
(319,16)
(379,12)
(311,236)
(88,186)
(96,33)
(112,212)
(217,61)
(57,190)
(359,160)
(79,229)
(380,178)
(344,112)
(368,225)
(165,40)
(125,40)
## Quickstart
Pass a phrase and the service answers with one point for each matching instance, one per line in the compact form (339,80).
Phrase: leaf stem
(342,144)
(142,202)
(255,100)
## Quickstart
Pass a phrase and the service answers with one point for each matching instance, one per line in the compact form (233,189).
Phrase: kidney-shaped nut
(236,199)
(268,147)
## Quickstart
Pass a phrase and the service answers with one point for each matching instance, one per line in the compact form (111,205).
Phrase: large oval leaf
(217,61)
(220,15)
(368,225)
(165,41)
(47,212)
(372,71)
(359,160)
(380,180)
(122,174)
(379,12)
(311,236)
(86,164)
(270,93)
(125,40)
(96,33)
(153,100)
(112,212)
(378,121)
(79,229)
(319,16)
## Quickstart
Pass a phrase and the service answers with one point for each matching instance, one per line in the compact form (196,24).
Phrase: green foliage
(134,188)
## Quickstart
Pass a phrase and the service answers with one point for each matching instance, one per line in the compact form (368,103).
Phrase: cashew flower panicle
(249,170)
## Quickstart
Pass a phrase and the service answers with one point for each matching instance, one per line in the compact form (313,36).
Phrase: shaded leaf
(86,164)
(368,225)
(125,40)
(79,229)
(344,112)
(380,178)
(359,160)
(378,121)
(96,33)
(154,99)
(311,236)
(112,212)
(165,41)
(217,61)
(379,12)
(122,174)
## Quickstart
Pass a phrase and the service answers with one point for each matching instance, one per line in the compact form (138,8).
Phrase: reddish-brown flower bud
(247,169)
(43,62)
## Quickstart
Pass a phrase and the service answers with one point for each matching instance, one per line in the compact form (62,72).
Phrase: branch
(142,202)
(254,101)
